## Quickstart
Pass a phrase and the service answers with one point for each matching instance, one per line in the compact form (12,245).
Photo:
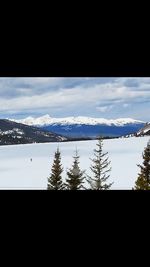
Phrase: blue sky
(108,98)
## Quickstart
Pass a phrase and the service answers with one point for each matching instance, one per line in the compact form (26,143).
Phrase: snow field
(18,172)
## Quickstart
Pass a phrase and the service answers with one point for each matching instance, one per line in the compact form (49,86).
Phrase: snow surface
(18,172)
(47,120)
(144,130)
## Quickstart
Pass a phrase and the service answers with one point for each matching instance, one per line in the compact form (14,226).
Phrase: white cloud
(104,108)
(74,96)
(125,105)
(17,94)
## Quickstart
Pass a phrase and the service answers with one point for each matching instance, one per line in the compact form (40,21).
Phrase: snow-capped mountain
(82,127)
(47,120)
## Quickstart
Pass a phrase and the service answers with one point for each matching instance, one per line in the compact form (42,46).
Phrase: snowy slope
(145,130)
(17,171)
(17,133)
(47,120)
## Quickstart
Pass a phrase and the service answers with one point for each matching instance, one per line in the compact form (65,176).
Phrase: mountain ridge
(144,131)
(85,127)
(17,133)
(47,120)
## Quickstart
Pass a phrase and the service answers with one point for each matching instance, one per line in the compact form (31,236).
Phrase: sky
(109,98)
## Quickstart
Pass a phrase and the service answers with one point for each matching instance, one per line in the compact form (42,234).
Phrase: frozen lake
(18,172)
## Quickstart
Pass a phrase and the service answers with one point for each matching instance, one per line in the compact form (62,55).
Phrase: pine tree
(100,169)
(55,180)
(75,175)
(143,180)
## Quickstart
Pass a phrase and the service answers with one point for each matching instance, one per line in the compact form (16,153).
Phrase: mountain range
(16,133)
(85,127)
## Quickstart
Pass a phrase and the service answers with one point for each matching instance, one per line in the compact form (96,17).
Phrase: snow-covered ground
(18,172)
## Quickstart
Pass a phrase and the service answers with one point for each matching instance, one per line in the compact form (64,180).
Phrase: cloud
(104,108)
(125,105)
(73,95)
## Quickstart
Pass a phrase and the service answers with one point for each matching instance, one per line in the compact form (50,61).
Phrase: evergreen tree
(75,175)
(100,169)
(143,180)
(55,180)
